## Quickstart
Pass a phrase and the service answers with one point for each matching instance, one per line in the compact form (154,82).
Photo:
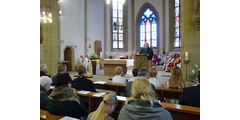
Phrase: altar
(111,64)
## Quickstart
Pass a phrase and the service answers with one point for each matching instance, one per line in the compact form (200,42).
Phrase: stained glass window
(177,26)
(117,23)
(148,29)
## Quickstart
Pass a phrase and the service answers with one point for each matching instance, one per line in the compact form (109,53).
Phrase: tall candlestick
(186,55)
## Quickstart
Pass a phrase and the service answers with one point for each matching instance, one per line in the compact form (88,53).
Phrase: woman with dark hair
(82,83)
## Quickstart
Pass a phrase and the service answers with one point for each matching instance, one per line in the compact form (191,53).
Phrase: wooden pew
(178,112)
(45,115)
(168,93)
(161,92)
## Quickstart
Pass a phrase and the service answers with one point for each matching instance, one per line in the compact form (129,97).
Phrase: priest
(149,52)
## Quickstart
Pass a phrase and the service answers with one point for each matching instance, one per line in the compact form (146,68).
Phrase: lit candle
(100,54)
(186,55)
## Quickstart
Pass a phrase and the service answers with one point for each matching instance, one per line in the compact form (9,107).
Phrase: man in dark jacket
(142,72)
(43,70)
(45,83)
(82,83)
(63,100)
(62,68)
(191,95)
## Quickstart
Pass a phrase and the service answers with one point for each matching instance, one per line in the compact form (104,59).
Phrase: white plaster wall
(72,25)
(108,30)
(95,23)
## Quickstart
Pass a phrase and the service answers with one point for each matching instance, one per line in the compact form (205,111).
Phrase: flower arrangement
(194,70)
(111,54)
(93,56)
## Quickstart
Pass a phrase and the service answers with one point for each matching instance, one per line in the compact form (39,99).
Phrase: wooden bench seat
(161,92)
(178,112)
(45,115)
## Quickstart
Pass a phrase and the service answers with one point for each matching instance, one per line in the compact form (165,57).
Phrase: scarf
(63,93)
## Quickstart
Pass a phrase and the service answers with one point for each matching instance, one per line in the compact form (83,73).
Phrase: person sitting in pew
(135,74)
(142,105)
(45,83)
(142,73)
(62,68)
(43,70)
(176,80)
(153,78)
(191,95)
(105,108)
(82,83)
(63,99)
(118,76)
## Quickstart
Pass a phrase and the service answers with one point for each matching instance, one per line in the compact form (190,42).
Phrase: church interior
(105,54)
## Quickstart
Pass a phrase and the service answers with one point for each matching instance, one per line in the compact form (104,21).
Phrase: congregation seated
(63,99)
(133,56)
(105,108)
(172,62)
(118,76)
(169,64)
(142,73)
(45,83)
(164,58)
(191,95)
(62,68)
(81,82)
(135,74)
(142,105)
(176,80)
(156,60)
(153,78)
(43,70)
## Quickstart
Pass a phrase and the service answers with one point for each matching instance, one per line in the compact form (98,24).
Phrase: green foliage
(94,56)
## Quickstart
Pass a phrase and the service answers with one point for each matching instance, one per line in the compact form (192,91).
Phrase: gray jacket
(138,110)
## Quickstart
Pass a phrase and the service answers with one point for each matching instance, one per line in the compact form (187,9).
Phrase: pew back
(45,115)
(161,92)
(178,112)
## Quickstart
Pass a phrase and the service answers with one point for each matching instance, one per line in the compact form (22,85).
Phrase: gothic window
(148,29)
(117,23)
(177,25)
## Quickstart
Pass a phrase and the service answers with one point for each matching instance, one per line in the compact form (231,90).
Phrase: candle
(186,55)
(100,54)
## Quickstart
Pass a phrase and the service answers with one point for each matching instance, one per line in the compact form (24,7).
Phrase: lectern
(141,61)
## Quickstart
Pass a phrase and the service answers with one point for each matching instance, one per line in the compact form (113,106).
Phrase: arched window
(148,29)
(177,25)
(117,23)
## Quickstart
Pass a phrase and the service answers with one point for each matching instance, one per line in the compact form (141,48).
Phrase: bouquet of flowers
(111,54)
(93,56)
(194,70)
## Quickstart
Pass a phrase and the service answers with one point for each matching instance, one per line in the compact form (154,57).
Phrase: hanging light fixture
(45,14)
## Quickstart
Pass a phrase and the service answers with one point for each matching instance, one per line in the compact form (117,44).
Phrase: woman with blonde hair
(142,105)
(176,80)
(105,108)
(118,78)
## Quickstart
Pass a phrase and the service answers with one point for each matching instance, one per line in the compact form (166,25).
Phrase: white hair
(43,67)
(44,80)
